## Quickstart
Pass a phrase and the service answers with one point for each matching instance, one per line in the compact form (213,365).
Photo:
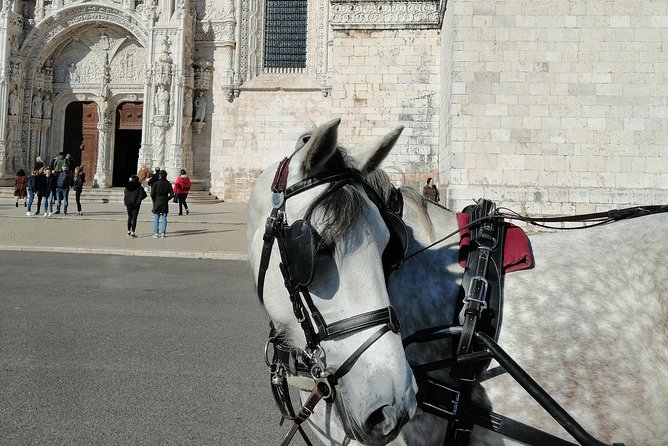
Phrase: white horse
(589,322)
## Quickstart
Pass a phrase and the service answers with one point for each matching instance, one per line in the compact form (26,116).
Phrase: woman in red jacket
(181,190)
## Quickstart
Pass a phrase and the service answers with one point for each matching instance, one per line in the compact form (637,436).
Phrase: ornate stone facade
(548,107)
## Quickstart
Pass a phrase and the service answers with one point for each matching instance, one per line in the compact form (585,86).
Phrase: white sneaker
(28,213)
(155,235)
(49,214)
(46,215)
(133,234)
(163,235)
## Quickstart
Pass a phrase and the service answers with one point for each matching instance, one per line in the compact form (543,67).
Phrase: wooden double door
(82,139)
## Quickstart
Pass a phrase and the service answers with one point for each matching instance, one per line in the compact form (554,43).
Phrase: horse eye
(305,138)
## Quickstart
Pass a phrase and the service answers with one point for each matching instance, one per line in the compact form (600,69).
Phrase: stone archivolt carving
(203,74)
(387,14)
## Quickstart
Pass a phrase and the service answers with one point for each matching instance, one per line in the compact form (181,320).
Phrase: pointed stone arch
(87,37)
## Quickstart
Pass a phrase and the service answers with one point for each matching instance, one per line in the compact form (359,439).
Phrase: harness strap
(363,321)
(306,411)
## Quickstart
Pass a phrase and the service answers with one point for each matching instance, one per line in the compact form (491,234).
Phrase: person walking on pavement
(32,190)
(20,187)
(181,190)
(132,197)
(63,184)
(161,193)
(50,186)
(79,180)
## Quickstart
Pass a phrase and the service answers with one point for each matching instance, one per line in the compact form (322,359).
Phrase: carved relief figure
(74,74)
(13,102)
(37,106)
(163,101)
(200,108)
(46,107)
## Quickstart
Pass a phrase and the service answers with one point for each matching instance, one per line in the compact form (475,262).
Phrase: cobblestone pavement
(211,231)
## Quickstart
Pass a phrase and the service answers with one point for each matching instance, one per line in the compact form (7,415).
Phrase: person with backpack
(63,184)
(161,193)
(132,197)
(181,190)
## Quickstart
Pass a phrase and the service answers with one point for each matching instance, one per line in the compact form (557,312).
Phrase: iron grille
(285,34)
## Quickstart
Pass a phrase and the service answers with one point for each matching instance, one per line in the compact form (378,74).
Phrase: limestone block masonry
(556,107)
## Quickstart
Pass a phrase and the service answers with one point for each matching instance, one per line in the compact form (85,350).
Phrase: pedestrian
(79,180)
(155,176)
(69,162)
(38,164)
(50,186)
(132,197)
(20,187)
(63,184)
(41,189)
(430,191)
(161,193)
(32,190)
(58,163)
(181,190)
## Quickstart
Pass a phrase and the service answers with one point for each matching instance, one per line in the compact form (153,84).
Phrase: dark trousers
(133,213)
(181,198)
(39,203)
(77,196)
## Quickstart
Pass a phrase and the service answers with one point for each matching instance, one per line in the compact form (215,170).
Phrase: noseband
(297,248)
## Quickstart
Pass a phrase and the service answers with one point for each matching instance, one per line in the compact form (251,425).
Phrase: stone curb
(241,256)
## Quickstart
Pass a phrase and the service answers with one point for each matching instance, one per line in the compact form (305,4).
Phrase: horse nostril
(382,420)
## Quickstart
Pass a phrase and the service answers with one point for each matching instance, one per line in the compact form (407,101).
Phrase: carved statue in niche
(162,101)
(13,102)
(200,107)
(74,74)
(47,106)
(37,106)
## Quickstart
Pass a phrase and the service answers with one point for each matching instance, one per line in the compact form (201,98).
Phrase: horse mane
(340,209)
(381,182)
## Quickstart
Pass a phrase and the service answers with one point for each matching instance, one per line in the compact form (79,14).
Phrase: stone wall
(557,107)
(385,79)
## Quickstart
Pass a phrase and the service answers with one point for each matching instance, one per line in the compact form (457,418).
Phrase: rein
(308,365)
(594,219)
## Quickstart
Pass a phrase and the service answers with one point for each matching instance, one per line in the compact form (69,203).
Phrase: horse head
(332,237)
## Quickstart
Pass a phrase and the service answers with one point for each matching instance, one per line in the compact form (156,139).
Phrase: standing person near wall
(161,193)
(50,187)
(132,197)
(79,180)
(181,189)
(20,187)
(33,184)
(42,189)
(155,176)
(38,165)
(63,184)
(430,191)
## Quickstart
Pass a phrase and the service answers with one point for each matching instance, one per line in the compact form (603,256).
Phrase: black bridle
(297,245)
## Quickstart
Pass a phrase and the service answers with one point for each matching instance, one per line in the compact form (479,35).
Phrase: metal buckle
(481,300)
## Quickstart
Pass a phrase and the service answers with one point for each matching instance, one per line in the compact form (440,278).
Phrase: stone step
(115,195)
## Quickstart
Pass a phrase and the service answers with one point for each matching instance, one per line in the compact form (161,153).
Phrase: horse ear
(369,156)
(320,146)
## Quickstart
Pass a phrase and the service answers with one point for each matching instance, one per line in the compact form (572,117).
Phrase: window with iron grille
(285,35)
